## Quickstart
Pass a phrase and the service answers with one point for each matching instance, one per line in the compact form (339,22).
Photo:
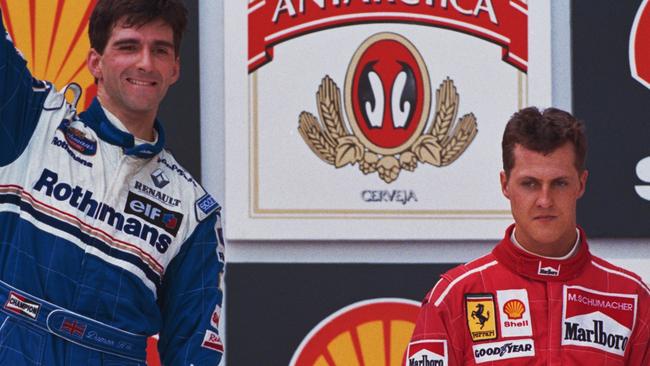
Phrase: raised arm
(21,100)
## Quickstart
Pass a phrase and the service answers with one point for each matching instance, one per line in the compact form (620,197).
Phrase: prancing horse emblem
(478,315)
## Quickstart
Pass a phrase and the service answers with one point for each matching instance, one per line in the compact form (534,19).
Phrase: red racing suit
(514,308)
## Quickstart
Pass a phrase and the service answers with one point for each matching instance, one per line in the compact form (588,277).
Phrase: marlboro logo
(596,319)
(427,353)
(271,22)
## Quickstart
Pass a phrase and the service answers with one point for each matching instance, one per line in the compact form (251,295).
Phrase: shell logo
(370,332)
(514,309)
(53,37)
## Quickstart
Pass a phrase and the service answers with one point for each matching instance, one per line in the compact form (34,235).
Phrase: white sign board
(375,119)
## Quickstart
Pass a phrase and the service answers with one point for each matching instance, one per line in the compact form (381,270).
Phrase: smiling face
(543,191)
(135,70)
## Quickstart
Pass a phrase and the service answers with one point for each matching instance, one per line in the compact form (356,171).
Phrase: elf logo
(153,213)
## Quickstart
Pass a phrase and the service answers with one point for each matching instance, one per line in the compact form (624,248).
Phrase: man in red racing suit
(540,297)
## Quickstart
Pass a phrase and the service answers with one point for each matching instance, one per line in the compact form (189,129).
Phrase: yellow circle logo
(371,332)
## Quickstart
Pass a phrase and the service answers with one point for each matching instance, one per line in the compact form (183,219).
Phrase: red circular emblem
(387,93)
(639,48)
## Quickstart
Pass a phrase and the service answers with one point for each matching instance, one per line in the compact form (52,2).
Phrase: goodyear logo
(481,316)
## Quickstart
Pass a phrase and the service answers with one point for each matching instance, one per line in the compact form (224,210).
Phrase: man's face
(136,69)
(543,190)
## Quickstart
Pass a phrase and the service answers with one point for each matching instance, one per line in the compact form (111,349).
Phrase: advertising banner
(324,314)
(611,90)
(364,120)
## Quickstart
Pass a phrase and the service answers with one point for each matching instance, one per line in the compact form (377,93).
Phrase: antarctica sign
(369,119)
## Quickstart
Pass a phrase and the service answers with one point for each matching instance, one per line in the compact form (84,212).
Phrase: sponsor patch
(73,327)
(64,145)
(480,316)
(159,178)
(514,311)
(548,269)
(21,305)
(498,351)
(153,213)
(205,206)
(212,341)
(216,315)
(176,169)
(156,194)
(596,319)
(221,247)
(429,352)
(77,139)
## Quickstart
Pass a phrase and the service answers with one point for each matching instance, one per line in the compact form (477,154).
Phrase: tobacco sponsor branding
(514,311)
(82,200)
(548,270)
(598,319)
(430,352)
(497,351)
(212,341)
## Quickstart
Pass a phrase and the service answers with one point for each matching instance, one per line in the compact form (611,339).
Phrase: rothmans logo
(81,199)
(387,104)
(21,305)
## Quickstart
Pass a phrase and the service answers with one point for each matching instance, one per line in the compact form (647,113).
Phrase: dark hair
(135,13)
(543,132)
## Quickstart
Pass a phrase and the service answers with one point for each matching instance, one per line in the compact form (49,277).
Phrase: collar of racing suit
(541,268)
(96,119)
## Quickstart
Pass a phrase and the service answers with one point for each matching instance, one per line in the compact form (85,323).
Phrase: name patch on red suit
(428,352)
(596,319)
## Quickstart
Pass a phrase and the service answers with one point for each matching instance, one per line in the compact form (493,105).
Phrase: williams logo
(77,139)
(480,316)
(387,104)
